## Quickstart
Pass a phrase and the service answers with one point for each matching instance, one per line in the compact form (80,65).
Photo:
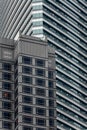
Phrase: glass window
(27,128)
(40,91)
(26,60)
(40,72)
(27,89)
(6,66)
(7,125)
(40,82)
(27,79)
(51,103)
(41,121)
(40,111)
(50,84)
(7,105)
(51,122)
(6,85)
(40,128)
(40,101)
(51,112)
(6,115)
(27,69)
(50,74)
(27,119)
(6,95)
(40,62)
(27,99)
(51,93)
(27,109)
(6,76)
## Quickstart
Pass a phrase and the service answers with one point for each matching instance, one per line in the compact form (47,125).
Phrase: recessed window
(40,101)
(40,92)
(27,89)
(6,95)
(40,111)
(27,99)
(27,119)
(6,76)
(6,85)
(6,105)
(50,84)
(50,74)
(40,62)
(51,112)
(40,72)
(27,79)
(7,125)
(27,69)
(51,122)
(27,109)
(40,82)
(7,66)
(41,121)
(27,128)
(26,60)
(6,115)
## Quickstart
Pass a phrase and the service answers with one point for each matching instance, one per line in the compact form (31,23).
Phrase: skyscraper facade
(27,85)
(64,23)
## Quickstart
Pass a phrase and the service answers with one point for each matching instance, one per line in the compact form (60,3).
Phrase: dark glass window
(51,103)
(51,93)
(27,119)
(7,125)
(6,115)
(6,105)
(27,69)
(40,111)
(40,91)
(6,66)
(51,122)
(6,85)
(40,101)
(27,128)
(50,74)
(27,99)
(6,76)
(41,121)
(40,62)
(6,95)
(27,89)
(50,84)
(16,112)
(16,102)
(27,109)
(40,129)
(26,60)
(40,72)
(51,112)
(40,82)
(27,79)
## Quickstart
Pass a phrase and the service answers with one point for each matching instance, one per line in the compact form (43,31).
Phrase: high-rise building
(64,23)
(27,84)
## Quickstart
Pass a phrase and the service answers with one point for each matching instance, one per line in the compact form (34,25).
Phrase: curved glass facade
(64,24)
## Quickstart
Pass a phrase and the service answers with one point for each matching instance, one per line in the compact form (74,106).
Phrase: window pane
(41,121)
(50,74)
(6,85)
(40,111)
(6,125)
(51,112)
(27,119)
(6,76)
(51,103)
(6,66)
(6,105)
(27,79)
(27,109)
(27,89)
(40,82)
(40,91)
(6,115)
(40,62)
(40,72)
(27,60)
(50,84)
(51,122)
(27,99)
(6,95)
(40,101)
(51,93)
(26,69)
